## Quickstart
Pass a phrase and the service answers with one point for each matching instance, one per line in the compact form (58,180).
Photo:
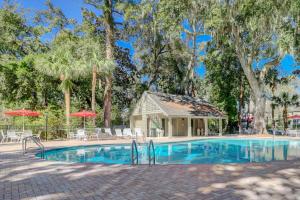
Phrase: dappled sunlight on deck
(281,184)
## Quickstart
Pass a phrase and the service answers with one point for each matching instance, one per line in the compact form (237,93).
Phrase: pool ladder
(151,158)
(135,153)
(37,141)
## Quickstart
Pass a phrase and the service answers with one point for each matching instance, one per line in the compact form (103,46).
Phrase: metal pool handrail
(151,147)
(134,153)
(37,141)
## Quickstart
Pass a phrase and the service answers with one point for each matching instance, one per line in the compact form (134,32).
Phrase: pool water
(210,151)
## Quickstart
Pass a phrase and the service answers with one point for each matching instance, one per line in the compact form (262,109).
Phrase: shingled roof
(180,105)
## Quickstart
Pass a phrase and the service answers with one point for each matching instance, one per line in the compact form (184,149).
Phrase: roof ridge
(203,101)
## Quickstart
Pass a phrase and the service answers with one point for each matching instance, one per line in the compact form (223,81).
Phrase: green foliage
(224,74)
(63,60)
(23,84)
(285,99)
(32,71)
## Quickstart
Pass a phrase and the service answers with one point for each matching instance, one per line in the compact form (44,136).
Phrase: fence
(50,133)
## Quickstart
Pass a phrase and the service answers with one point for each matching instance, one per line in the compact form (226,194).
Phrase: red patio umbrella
(84,114)
(294,117)
(22,113)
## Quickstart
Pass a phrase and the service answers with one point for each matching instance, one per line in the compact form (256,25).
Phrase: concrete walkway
(26,177)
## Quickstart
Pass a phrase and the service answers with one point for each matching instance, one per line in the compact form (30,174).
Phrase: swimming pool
(205,151)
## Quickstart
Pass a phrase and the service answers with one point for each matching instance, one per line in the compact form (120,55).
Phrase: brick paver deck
(25,177)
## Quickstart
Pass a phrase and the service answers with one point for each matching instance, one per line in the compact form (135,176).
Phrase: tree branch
(117,12)
(269,65)
(118,23)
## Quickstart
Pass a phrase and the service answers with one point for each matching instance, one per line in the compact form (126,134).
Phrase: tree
(272,80)
(20,82)
(93,47)
(160,54)
(195,17)
(291,29)
(229,87)
(107,7)
(252,26)
(285,100)
(24,86)
(92,56)
(53,19)
(63,61)
(17,38)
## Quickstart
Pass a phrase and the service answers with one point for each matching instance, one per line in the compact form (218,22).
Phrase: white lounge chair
(72,135)
(26,133)
(81,134)
(119,132)
(12,135)
(3,137)
(98,132)
(127,132)
(293,133)
(138,132)
(108,131)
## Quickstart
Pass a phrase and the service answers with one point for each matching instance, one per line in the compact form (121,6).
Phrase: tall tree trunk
(107,101)
(259,98)
(45,95)
(273,115)
(68,103)
(248,113)
(285,117)
(273,108)
(190,69)
(256,85)
(259,115)
(241,103)
(94,83)
(67,94)
(109,29)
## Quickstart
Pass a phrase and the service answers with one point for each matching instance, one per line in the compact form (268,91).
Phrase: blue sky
(72,9)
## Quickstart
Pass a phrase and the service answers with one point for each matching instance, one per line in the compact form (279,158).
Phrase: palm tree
(63,61)
(92,54)
(285,100)
(107,8)
(272,80)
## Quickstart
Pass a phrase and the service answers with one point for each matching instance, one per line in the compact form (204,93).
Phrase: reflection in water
(195,152)
(227,151)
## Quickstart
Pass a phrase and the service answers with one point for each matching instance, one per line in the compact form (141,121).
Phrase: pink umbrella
(84,114)
(23,113)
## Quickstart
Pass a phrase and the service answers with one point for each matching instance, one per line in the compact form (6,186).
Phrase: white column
(220,127)
(132,122)
(145,128)
(189,127)
(170,134)
(206,126)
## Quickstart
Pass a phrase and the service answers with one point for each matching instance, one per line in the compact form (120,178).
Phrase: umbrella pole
(23,124)
(83,123)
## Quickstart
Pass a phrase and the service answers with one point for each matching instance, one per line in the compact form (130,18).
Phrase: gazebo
(161,114)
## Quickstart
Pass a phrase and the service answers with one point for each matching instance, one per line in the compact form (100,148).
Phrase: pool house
(167,115)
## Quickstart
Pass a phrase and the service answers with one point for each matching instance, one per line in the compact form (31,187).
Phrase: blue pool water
(210,151)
